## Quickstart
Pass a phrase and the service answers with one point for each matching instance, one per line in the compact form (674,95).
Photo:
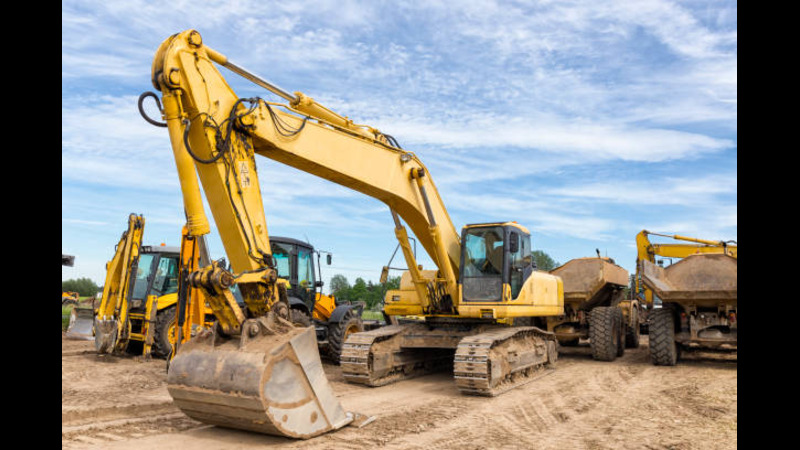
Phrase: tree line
(83,286)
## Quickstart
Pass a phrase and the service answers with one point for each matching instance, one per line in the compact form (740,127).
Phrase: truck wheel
(299,318)
(663,348)
(632,331)
(339,331)
(165,321)
(604,330)
(622,329)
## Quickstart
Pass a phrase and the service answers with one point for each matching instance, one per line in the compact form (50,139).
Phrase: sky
(585,121)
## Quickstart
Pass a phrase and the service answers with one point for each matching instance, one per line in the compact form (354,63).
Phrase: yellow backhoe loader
(136,312)
(258,372)
(698,294)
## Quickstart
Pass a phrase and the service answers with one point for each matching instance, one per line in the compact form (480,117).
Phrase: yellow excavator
(255,370)
(698,294)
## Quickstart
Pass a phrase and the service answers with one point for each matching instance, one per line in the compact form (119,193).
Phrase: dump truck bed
(703,279)
(586,279)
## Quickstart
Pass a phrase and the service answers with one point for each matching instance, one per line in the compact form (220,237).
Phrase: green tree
(83,286)
(339,285)
(544,261)
(359,291)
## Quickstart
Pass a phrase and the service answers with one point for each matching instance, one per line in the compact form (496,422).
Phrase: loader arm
(111,317)
(216,134)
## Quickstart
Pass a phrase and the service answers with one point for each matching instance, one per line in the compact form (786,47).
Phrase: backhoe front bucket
(81,322)
(269,380)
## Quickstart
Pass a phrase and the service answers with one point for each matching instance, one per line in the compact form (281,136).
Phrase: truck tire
(338,332)
(165,320)
(604,332)
(632,331)
(299,318)
(663,348)
(621,333)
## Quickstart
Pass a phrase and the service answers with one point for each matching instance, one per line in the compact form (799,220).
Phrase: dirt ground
(122,403)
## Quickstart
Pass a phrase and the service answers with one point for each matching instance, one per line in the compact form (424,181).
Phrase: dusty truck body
(698,305)
(594,308)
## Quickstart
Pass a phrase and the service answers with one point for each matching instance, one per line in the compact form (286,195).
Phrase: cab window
(305,268)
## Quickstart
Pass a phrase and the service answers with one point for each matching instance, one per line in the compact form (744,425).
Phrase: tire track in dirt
(583,404)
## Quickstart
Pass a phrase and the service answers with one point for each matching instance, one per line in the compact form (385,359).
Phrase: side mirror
(513,243)
(328,258)
(319,284)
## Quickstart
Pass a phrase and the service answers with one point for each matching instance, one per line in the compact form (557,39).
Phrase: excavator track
(496,361)
(375,358)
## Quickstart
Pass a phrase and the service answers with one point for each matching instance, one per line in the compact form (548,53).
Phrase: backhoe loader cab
(156,274)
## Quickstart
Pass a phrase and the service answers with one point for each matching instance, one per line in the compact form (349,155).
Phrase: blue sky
(584,121)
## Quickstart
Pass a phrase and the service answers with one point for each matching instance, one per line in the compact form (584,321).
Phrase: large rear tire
(604,332)
(339,331)
(663,348)
(165,320)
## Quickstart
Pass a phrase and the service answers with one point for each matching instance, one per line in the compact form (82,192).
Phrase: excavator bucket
(699,279)
(81,321)
(269,380)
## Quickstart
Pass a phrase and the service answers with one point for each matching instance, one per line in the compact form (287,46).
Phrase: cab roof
(498,224)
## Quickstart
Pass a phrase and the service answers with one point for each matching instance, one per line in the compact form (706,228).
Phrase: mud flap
(81,324)
(270,380)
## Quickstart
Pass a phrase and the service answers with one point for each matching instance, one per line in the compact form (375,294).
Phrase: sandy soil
(122,403)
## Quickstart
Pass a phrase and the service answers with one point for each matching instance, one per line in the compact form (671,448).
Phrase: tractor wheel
(663,348)
(339,331)
(604,332)
(165,324)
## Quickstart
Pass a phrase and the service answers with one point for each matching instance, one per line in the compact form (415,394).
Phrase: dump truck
(594,308)
(697,294)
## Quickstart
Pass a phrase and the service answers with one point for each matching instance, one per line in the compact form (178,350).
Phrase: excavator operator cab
(156,273)
(492,256)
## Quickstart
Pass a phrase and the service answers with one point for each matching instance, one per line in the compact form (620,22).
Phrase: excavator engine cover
(268,380)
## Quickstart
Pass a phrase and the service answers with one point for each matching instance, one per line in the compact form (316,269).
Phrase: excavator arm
(215,134)
(110,323)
